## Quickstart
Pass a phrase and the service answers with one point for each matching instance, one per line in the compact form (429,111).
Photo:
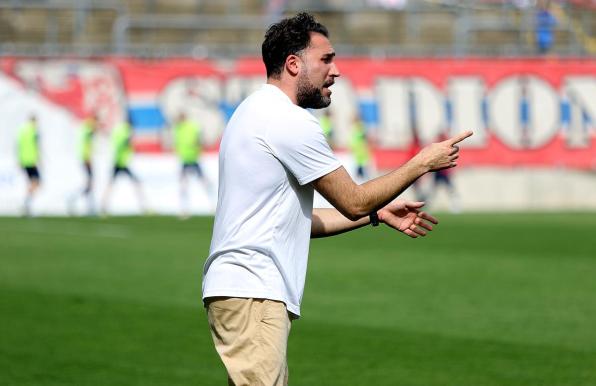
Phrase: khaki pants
(251,337)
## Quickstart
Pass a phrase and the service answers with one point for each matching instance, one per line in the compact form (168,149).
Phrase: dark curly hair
(288,37)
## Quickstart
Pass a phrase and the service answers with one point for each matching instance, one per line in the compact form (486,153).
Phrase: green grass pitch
(486,299)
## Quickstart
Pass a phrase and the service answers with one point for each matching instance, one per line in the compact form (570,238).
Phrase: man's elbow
(353,206)
(354,212)
(354,216)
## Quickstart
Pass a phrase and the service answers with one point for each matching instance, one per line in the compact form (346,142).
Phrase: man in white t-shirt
(273,156)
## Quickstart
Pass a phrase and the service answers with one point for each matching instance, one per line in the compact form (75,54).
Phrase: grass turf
(505,299)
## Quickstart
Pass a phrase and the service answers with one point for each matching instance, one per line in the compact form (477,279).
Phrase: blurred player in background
(28,154)
(360,149)
(443,178)
(327,126)
(187,142)
(87,133)
(123,151)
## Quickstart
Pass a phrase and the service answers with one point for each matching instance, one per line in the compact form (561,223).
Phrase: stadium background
(407,67)
(500,294)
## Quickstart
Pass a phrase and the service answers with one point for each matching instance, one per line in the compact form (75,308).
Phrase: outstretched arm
(356,201)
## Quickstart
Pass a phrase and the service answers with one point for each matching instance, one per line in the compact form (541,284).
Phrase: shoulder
(296,129)
(296,121)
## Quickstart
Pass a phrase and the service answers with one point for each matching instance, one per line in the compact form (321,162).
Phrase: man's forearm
(330,222)
(378,192)
(356,201)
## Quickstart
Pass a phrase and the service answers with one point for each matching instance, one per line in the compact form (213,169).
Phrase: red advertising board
(524,112)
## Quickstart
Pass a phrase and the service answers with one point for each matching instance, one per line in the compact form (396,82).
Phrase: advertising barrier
(525,113)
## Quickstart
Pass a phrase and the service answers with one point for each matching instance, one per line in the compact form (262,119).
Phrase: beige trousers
(251,337)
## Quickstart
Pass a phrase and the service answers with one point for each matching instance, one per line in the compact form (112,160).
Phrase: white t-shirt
(270,151)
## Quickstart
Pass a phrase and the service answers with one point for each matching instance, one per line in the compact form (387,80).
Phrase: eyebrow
(329,55)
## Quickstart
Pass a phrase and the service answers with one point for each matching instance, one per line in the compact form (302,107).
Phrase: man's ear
(293,64)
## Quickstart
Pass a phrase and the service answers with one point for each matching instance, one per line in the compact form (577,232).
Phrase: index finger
(460,137)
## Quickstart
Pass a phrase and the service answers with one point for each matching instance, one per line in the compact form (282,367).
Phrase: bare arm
(355,201)
(403,216)
(330,222)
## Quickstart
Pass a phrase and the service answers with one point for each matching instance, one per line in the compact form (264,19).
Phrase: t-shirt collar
(271,88)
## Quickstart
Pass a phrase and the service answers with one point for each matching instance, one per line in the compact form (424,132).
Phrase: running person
(273,155)
(28,154)
(327,126)
(444,178)
(187,142)
(87,134)
(123,151)
(360,149)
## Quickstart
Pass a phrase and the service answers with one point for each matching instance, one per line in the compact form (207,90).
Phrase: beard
(310,97)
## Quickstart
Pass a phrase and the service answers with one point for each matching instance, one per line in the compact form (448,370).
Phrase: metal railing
(466,20)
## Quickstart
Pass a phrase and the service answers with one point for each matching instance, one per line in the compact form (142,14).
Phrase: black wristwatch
(374,219)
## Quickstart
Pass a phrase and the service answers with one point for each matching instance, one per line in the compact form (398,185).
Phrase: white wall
(477,189)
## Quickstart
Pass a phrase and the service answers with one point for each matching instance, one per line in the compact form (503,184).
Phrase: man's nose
(334,72)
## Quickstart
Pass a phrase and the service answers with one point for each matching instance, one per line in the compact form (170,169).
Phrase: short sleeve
(301,147)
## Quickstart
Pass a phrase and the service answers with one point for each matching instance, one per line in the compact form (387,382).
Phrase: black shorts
(123,170)
(32,173)
(361,171)
(192,167)
(88,170)
(442,178)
